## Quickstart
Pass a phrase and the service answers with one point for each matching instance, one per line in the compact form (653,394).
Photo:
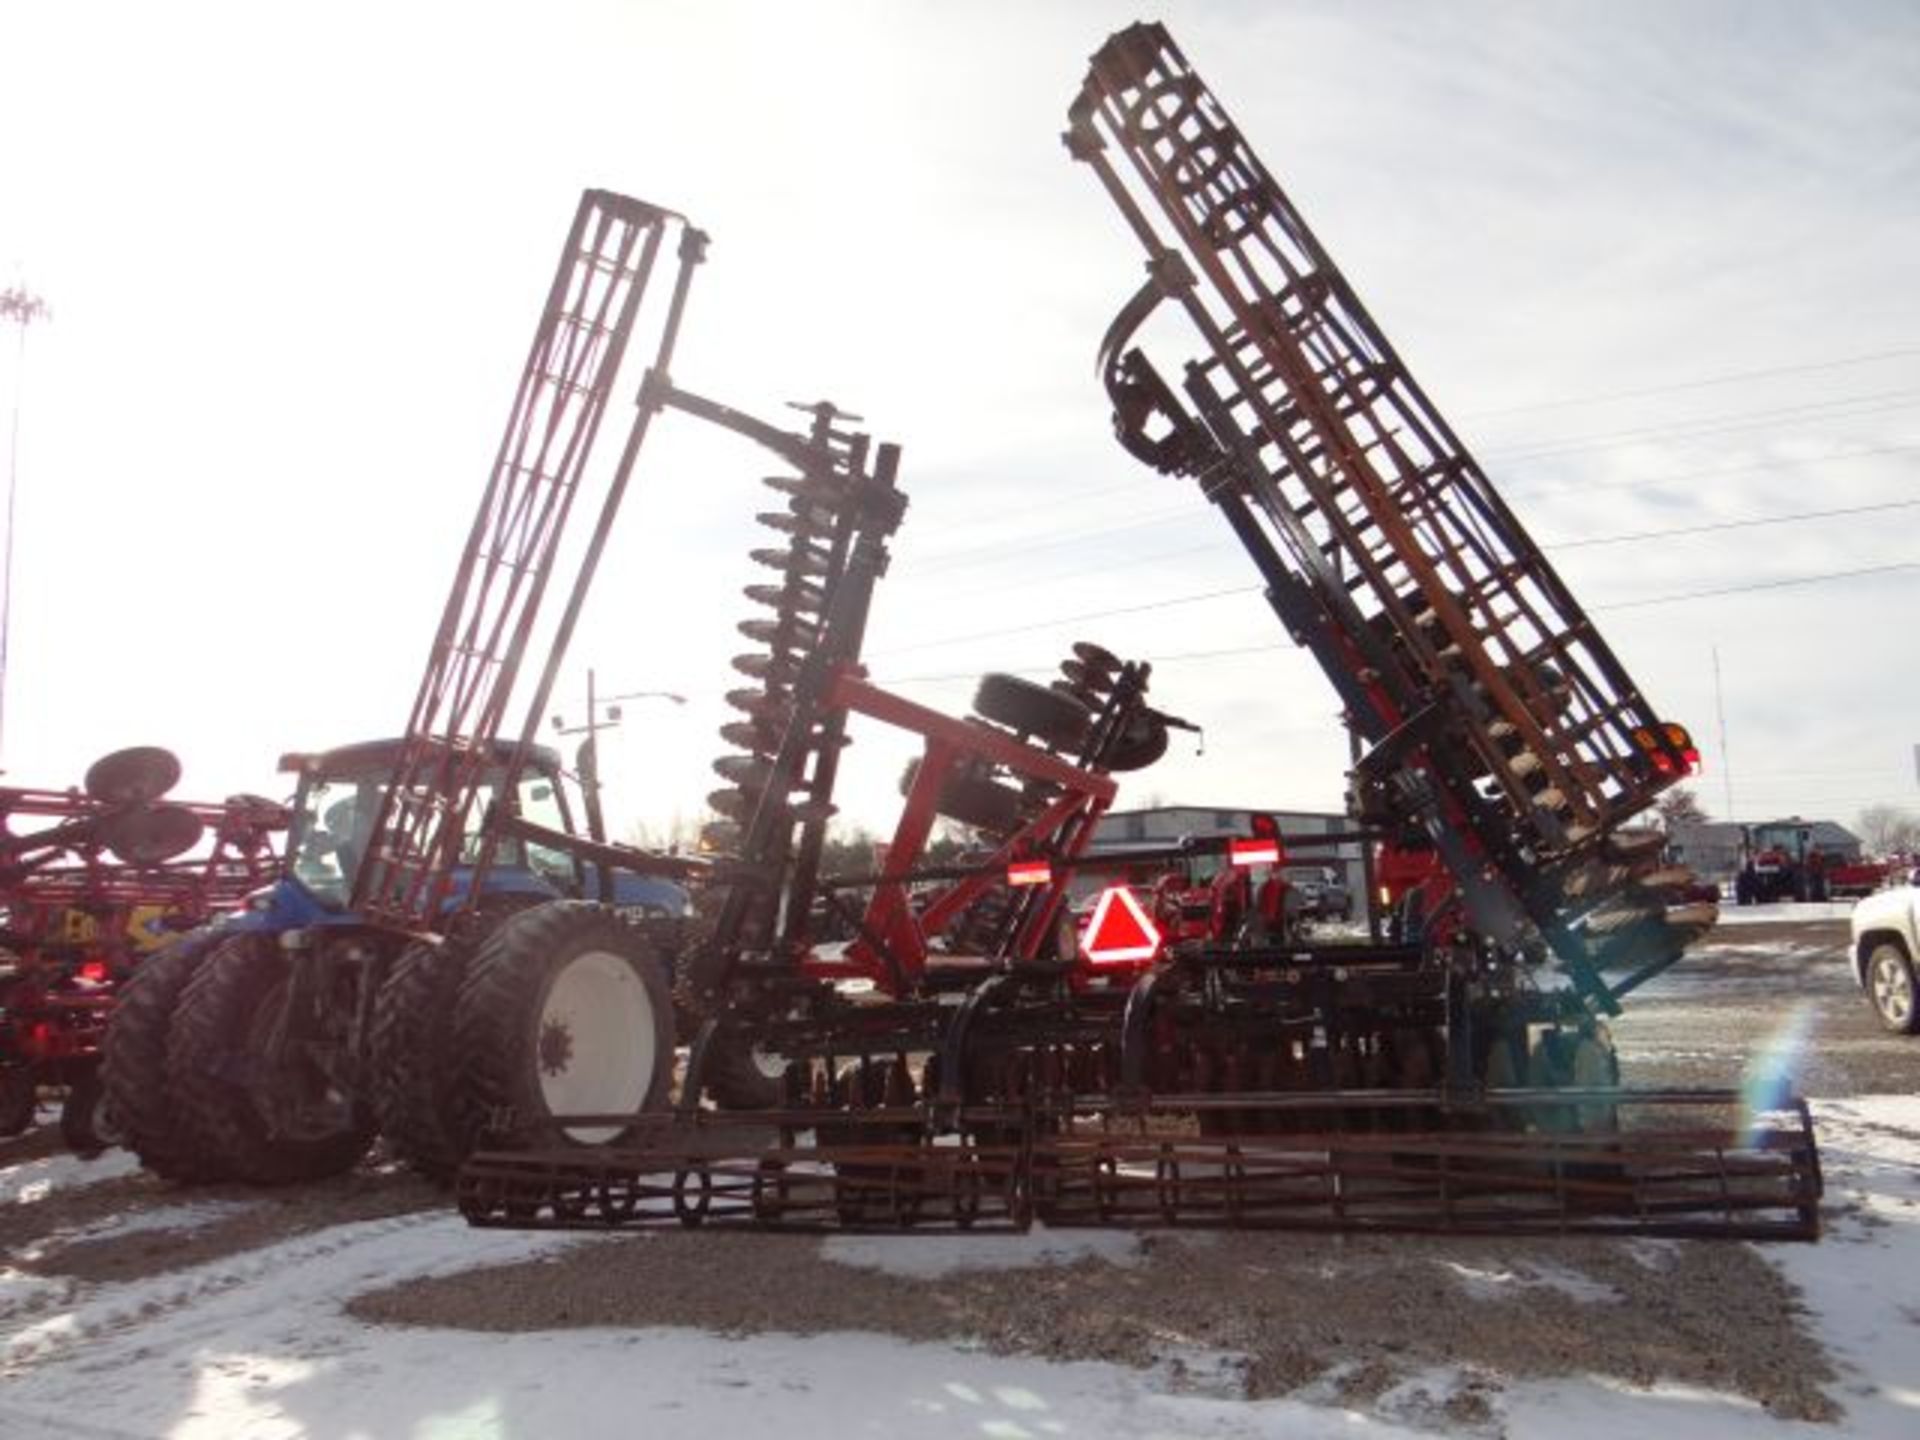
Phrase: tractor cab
(337,806)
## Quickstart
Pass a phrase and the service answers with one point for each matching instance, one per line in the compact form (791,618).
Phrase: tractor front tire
(133,1065)
(565,1011)
(224,1085)
(411,1057)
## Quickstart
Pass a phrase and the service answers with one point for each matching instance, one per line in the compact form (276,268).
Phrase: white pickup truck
(1886,950)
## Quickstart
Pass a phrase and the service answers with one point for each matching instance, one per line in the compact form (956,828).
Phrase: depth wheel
(19,1099)
(743,1076)
(1034,710)
(87,1122)
(565,1011)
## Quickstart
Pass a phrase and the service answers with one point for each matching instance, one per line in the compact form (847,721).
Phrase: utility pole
(23,308)
(603,713)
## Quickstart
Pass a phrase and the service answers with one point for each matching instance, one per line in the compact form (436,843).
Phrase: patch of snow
(1785,912)
(1486,1284)
(927,1257)
(32,1181)
(24,1294)
(258,1346)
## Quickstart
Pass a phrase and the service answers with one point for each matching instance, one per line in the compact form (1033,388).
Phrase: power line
(1732,377)
(1710,425)
(1056,620)
(1744,467)
(1270,646)
(1196,598)
(1651,600)
(969,557)
(1759,585)
(1728,525)
(1729,378)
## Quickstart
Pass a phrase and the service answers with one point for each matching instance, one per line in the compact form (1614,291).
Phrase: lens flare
(1769,1080)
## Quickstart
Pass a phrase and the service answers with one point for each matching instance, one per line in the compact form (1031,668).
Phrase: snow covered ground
(1785,912)
(258,1345)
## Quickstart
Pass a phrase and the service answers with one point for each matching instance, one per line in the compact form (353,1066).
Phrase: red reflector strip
(1030,872)
(1253,852)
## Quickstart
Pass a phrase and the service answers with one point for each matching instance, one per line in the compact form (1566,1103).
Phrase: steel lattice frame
(591,307)
(1359,481)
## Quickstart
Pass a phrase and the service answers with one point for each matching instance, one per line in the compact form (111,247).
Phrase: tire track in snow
(118,1309)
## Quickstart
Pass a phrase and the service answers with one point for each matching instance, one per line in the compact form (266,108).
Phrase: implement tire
(411,1059)
(564,1011)
(973,798)
(19,1100)
(87,1121)
(218,1073)
(1034,710)
(133,1065)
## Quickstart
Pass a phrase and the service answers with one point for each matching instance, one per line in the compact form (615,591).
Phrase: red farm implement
(968,1060)
(92,881)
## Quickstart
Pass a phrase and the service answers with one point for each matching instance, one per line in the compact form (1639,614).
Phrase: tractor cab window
(540,802)
(331,830)
(537,798)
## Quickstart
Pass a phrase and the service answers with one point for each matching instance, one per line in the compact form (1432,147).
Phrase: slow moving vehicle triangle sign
(1120,930)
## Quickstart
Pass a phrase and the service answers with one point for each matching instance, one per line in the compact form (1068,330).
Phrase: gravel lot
(1344,1319)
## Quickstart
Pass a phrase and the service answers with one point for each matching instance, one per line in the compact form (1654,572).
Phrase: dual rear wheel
(560,1010)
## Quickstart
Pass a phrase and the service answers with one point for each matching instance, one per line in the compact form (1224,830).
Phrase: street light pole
(23,308)
(587,758)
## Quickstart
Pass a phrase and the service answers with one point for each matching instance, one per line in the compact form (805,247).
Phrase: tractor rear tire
(1037,711)
(133,1065)
(87,1121)
(565,1011)
(217,1073)
(411,1059)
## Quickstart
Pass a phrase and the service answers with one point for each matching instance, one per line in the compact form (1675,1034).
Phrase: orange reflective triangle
(1120,929)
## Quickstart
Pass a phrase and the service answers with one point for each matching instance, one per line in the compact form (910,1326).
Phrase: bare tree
(1680,806)
(1887,828)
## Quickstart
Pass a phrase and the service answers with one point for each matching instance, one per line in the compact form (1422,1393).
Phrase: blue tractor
(272,1045)
(442,948)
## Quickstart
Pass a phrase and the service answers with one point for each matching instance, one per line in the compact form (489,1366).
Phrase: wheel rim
(595,1047)
(1892,989)
(106,1126)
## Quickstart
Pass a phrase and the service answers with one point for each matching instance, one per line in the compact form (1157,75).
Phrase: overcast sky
(1657,262)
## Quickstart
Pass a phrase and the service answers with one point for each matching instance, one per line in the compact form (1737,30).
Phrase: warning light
(95,971)
(1029,872)
(1253,852)
(1120,932)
